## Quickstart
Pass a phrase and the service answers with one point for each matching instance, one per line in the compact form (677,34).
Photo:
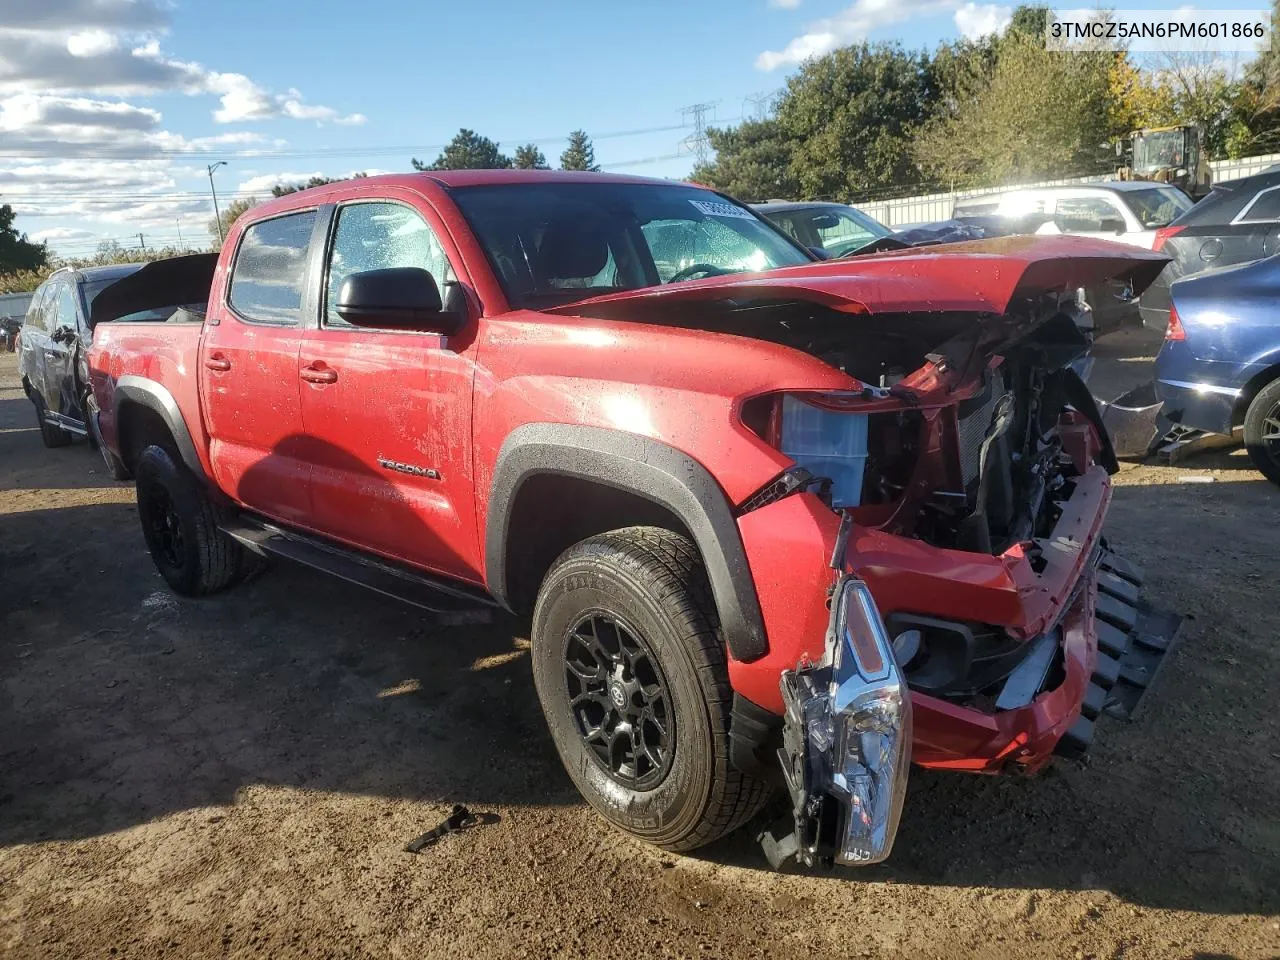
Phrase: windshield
(1157,207)
(1158,151)
(837,229)
(554,243)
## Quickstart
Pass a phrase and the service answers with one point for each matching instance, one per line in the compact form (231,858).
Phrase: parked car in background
(1219,367)
(51,358)
(1127,212)
(54,343)
(1237,222)
(835,229)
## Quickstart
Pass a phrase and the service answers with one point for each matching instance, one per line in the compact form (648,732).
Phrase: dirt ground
(237,776)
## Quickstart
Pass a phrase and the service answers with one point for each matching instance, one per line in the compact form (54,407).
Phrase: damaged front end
(846,742)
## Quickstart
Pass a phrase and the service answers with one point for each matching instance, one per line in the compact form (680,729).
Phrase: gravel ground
(237,776)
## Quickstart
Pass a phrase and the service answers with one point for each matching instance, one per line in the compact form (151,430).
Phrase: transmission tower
(757,106)
(697,142)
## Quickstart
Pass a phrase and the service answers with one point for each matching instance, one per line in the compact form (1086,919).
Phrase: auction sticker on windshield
(713,209)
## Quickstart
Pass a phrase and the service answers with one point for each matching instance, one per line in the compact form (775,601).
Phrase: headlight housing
(846,740)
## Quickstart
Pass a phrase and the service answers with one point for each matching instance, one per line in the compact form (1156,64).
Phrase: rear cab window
(1157,207)
(270,268)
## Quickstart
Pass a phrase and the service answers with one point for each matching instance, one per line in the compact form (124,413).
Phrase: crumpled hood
(979,276)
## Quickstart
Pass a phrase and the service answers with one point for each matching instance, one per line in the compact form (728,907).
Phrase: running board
(68,424)
(408,586)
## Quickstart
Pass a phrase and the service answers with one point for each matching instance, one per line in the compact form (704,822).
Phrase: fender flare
(649,469)
(156,397)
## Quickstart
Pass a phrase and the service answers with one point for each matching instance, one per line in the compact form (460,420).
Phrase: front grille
(975,416)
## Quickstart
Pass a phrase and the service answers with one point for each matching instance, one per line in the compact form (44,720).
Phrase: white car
(1124,211)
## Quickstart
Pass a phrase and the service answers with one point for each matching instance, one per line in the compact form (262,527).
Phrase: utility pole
(181,243)
(697,142)
(216,215)
(142,244)
(758,105)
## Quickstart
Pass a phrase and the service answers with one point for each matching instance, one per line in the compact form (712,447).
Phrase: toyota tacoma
(782,525)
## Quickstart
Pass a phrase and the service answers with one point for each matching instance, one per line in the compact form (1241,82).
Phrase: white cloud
(110,48)
(243,100)
(91,43)
(849,26)
(63,234)
(784,4)
(975,21)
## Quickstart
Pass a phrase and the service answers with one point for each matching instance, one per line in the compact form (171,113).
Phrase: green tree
(580,154)
(17,253)
(468,151)
(1034,115)
(1254,126)
(851,117)
(529,157)
(284,189)
(753,162)
(229,214)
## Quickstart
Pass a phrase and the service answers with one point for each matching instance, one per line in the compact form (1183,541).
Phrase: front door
(388,413)
(249,371)
(61,353)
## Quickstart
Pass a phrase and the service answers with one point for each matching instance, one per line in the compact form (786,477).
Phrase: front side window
(1157,207)
(554,243)
(1086,215)
(65,308)
(378,236)
(270,266)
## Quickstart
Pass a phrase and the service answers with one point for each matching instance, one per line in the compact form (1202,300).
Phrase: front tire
(180,523)
(630,670)
(1262,431)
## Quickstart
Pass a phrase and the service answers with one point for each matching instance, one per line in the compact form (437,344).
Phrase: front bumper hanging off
(846,741)
(847,728)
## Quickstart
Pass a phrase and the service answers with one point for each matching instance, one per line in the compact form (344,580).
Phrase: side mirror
(820,253)
(397,298)
(1111,225)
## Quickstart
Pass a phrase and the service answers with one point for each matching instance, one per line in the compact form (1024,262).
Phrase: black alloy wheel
(619,700)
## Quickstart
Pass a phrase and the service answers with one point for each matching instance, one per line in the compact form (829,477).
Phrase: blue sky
(110,109)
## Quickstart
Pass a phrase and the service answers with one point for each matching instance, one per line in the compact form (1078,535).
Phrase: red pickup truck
(780,522)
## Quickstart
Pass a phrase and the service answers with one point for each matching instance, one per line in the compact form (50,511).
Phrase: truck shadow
(123,703)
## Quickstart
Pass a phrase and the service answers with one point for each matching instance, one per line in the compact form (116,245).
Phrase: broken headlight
(846,741)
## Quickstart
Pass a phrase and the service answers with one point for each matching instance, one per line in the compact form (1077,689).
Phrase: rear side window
(35,312)
(266,281)
(1263,208)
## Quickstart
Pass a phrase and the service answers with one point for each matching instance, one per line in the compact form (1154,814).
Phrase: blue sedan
(1220,364)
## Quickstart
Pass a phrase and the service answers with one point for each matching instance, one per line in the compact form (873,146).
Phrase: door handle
(221,364)
(314,374)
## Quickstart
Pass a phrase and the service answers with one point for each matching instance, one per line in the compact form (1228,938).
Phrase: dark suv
(53,342)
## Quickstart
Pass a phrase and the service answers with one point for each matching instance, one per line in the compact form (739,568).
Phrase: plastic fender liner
(649,469)
(156,397)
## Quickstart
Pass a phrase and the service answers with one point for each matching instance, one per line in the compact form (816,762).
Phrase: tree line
(873,121)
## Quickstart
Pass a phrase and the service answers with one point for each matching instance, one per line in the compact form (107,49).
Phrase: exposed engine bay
(962,445)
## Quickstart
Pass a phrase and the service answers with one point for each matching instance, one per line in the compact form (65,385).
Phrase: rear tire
(51,434)
(630,670)
(1262,431)
(180,523)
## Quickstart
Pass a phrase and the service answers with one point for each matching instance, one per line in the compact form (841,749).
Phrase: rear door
(388,412)
(249,384)
(34,338)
